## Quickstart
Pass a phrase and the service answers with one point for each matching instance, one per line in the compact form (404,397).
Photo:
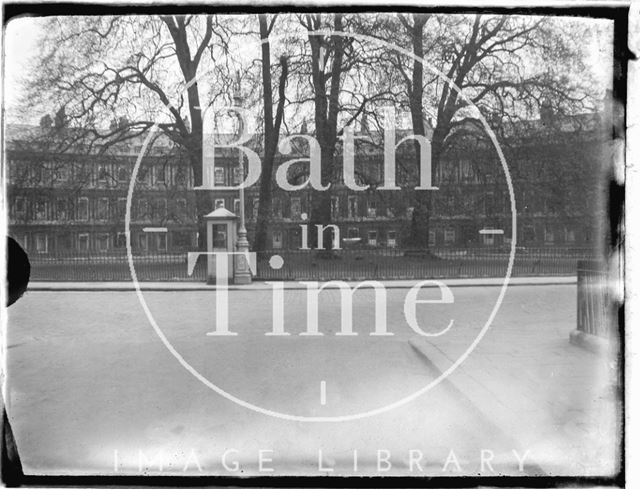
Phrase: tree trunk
(419,231)
(271,136)
(321,200)
(423,209)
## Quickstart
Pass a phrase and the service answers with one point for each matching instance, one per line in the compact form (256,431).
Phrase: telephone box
(221,237)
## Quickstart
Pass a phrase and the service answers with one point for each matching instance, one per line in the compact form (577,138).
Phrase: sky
(21,45)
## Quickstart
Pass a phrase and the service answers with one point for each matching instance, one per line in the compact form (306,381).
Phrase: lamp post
(242,273)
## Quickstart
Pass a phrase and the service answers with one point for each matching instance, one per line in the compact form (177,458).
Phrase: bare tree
(99,68)
(271,128)
(491,59)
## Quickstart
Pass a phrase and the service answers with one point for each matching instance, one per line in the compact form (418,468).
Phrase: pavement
(287,285)
(93,390)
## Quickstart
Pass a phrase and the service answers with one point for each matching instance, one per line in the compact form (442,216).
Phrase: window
(103,208)
(548,234)
(219,203)
(180,177)
(353,233)
(256,207)
(295,208)
(142,241)
(143,174)
(62,174)
(569,235)
(103,242)
(335,210)
(549,206)
(352,210)
(122,207)
(488,239)
(161,209)
(36,174)
(83,175)
(391,239)
(142,209)
(48,173)
(371,209)
(372,238)
(160,174)
(61,209)
(83,242)
(181,207)
(237,176)
(42,242)
(123,174)
(449,236)
(236,207)
(219,175)
(102,174)
(432,237)
(41,210)
(121,241)
(161,241)
(277,208)
(20,206)
(528,234)
(83,209)
(451,204)
(277,239)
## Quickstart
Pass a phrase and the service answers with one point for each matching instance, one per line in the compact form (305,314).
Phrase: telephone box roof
(221,213)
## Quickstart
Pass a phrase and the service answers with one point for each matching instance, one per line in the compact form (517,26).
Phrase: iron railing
(353,264)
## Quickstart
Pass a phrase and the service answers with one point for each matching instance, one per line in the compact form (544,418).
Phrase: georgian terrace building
(75,202)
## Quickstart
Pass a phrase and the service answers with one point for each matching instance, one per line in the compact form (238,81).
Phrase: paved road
(92,388)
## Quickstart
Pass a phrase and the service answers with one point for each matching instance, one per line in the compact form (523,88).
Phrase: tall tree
(504,65)
(105,68)
(326,89)
(271,128)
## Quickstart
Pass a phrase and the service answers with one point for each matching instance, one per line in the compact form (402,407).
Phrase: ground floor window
(61,209)
(449,236)
(432,237)
(372,238)
(569,235)
(103,242)
(42,243)
(488,239)
(391,239)
(121,241)
(142,242)
(528,234)
(161,241)
(277,239)
(548,235)
(83,242)
(353,233)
